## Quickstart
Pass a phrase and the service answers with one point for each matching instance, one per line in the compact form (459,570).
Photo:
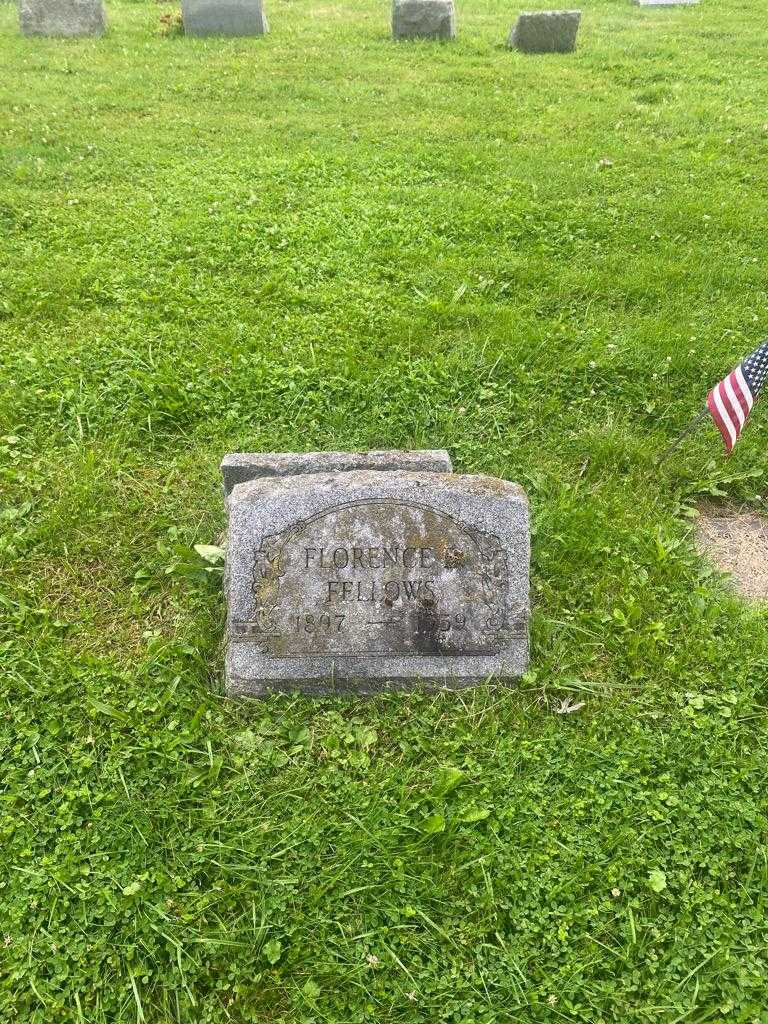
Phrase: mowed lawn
(322,239)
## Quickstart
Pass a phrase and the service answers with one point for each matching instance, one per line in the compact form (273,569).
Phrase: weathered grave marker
(62,17)
(224,18)
(366,580)
(423,19)
(545,31)
(239,467)
(735,542)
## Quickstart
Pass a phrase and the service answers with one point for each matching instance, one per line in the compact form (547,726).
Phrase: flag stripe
(727,412)
(744,387)
(715,404)
(733,402)
(718,419)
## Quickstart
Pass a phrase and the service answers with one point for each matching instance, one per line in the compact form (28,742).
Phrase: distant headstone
(224,18)
(239,467)
(664,3)
(423,19)
(62,17)
(367,580)
(545,31)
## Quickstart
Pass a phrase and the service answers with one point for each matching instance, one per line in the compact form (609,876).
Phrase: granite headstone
(224,18)
(545,31)
(239,467)
(423,19)
(366,580)
(62,17)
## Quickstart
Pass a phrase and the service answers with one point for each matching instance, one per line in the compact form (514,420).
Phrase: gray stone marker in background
(370,580)
(545,31)
(423,19)
(224,18)
(239,467)
(62,17)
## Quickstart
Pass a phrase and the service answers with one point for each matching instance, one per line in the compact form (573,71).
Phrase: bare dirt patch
(736,542)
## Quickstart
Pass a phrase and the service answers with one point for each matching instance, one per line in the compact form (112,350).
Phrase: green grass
(322,239)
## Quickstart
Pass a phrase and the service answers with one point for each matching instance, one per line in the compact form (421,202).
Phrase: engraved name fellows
(387,590)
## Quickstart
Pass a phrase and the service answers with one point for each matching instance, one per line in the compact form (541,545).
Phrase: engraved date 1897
(307,622)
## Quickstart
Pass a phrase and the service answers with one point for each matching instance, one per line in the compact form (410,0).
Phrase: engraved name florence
(378,577)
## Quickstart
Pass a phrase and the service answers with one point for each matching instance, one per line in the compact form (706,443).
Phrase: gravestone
(239,467)
(423,19)
(735,541)
(366,580)
(62,17)
(545,31)
(224,18)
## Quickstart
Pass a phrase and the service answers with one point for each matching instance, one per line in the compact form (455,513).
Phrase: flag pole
(683,434)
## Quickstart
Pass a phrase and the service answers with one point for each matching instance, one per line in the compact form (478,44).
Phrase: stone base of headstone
(224,18)
(62,17)
(423,19)
(545,32)
(240,467)
(360,581)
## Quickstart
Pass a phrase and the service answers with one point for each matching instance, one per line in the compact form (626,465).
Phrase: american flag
(730,401)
